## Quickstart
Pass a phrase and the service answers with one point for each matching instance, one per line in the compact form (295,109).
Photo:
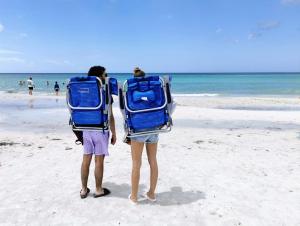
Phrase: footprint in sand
(198,141)
(3,143)
(27,145)
(273,128)
(212,213)
(214,142)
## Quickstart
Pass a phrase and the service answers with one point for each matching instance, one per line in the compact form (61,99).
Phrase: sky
(156,35)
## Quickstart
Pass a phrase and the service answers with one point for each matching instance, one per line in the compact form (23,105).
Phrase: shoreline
(259,103)
(45,93)
(176,95)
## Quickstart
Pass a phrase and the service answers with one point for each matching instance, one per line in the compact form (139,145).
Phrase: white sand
(217,167)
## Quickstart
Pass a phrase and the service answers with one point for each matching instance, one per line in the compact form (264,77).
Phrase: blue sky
(157,35)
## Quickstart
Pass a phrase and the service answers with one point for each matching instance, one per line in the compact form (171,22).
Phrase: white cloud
(219,30)
(169,16)
(11,60)
(263,27)
(1,27)
(236,41)
(58,63)
(52,62)
(67,62)
(253,35)
(290,2)
(23,35)
(268,25)
(233,40)
(10,52)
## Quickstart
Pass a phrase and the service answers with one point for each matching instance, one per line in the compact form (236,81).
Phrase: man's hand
(113,139)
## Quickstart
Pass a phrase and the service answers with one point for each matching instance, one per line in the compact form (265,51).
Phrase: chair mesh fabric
(145,93)
(84,92)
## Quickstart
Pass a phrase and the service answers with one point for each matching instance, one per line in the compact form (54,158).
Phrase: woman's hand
(127,141)
(113,139)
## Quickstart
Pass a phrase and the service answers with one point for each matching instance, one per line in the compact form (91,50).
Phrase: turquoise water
(224,84)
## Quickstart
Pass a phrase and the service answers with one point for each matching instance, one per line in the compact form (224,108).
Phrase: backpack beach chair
(146,105)
(89,103)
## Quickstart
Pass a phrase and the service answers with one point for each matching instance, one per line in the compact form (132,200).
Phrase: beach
(227,161)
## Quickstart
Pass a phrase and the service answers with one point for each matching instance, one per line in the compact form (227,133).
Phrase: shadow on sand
(176,196)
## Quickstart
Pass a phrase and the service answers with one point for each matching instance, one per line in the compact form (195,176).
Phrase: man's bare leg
(85,167)
(151,153)
(99,166)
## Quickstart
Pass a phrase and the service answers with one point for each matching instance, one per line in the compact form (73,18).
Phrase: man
(56,88)
(30,85)
(96,142)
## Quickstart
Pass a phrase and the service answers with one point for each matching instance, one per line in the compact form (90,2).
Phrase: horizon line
(239,72)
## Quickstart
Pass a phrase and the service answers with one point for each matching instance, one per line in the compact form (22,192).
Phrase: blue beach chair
(89,102)
(146,105)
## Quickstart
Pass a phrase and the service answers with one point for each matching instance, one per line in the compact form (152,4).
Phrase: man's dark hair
(97,71)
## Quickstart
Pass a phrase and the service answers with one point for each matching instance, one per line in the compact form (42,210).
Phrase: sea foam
(195,94)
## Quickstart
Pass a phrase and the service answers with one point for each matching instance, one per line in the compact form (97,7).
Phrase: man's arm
(112,127)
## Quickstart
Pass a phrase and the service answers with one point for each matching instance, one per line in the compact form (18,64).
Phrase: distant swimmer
(47,83)
(56,88)
(30,85)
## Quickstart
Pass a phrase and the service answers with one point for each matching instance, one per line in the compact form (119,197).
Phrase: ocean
(195,84)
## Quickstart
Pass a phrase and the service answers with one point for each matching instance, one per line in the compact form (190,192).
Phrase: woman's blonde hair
(137,72)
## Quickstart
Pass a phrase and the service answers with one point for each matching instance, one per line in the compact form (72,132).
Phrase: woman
(137,145)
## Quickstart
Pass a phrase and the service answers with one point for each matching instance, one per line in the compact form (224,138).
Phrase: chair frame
(166,128)
(107,111)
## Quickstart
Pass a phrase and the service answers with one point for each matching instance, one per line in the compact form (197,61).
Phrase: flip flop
(131,201)
(83,196)
(105,192)
(147,197)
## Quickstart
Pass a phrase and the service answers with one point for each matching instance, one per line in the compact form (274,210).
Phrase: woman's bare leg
(136,155)
(151,153)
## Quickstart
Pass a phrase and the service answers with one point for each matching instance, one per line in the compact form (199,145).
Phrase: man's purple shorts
(95,142)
